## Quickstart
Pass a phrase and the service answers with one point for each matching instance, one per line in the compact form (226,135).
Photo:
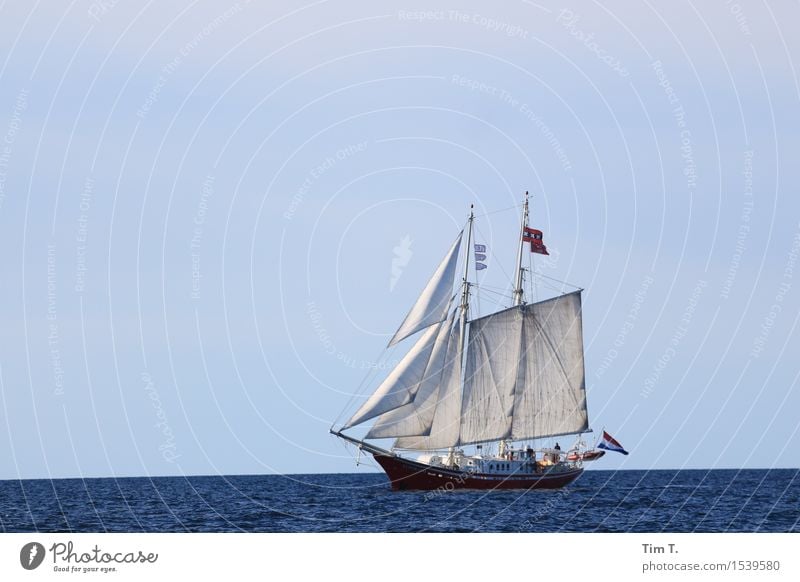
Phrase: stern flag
(609,443)
(534,237)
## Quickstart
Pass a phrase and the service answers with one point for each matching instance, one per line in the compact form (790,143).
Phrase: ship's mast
(450,461)
(465,296)
(519,293)
(465,290)
(519,298)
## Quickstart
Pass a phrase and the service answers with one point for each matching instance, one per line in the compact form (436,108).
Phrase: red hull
(411,475)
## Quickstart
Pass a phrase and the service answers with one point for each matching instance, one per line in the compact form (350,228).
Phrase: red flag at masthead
(534,236)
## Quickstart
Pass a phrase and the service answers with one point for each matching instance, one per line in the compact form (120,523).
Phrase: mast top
(519,298)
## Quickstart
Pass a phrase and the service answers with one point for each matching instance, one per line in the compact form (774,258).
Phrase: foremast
(464,312)
(465,283)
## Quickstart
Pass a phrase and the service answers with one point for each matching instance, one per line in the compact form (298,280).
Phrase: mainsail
(525,373)
(493,358)
(434,302)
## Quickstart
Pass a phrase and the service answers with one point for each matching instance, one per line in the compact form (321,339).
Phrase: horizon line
(187,476)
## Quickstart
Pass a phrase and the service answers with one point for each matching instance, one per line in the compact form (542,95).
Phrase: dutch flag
(609,443)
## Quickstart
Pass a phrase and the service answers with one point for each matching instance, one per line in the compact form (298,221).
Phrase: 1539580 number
(758,565)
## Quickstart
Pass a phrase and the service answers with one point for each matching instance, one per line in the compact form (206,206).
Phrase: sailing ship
(498,383)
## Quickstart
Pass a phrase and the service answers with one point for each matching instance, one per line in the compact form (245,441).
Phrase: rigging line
(551,286)
(494,296)
(493,287)
(537,281)
(477,295)
(346,446)
(496,292)
(531,281)
(499,304)
(500,210)
(558,280)
(498,263)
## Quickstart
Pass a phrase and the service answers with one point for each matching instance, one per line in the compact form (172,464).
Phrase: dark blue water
(605,501)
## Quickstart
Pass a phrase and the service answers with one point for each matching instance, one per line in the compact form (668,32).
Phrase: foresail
(416,417)
(403,381)
(445,421)
(433,303)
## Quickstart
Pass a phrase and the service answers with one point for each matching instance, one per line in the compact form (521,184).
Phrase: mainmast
(519,298)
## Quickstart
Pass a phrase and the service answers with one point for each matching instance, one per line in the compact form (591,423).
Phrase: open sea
(599,501)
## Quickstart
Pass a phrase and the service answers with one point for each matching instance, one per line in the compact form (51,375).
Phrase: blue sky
(199,206)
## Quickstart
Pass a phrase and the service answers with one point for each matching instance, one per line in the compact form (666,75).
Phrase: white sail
(493,356)
(443,430)
(402,382)
(551,394)
(415,418)
(433,303)
(525,373)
